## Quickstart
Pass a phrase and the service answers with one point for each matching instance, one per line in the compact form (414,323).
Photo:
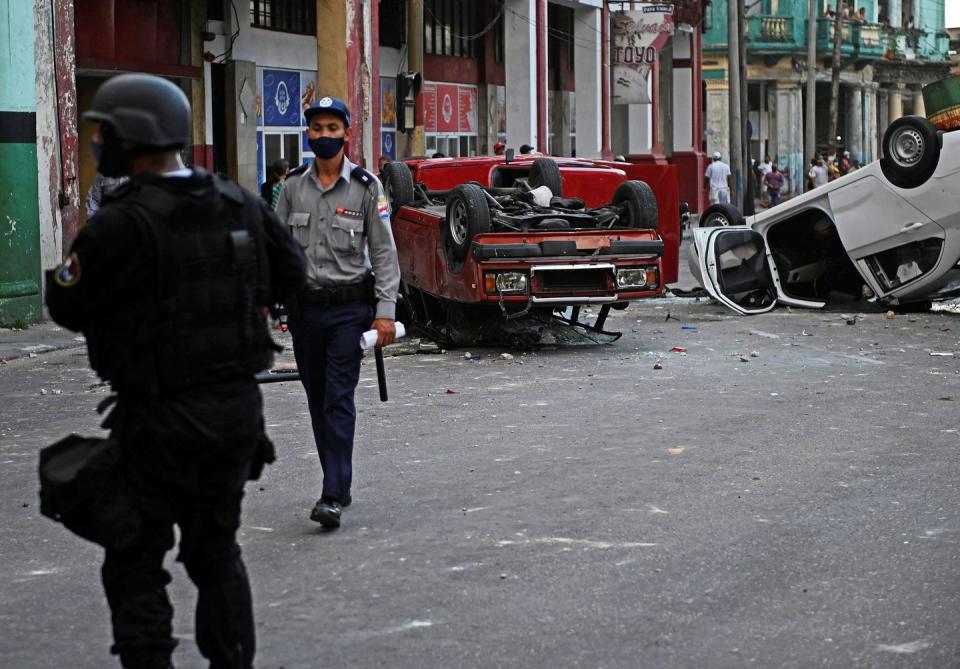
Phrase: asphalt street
(782,493)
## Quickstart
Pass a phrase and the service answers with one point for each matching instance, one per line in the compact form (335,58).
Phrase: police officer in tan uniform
(338,213)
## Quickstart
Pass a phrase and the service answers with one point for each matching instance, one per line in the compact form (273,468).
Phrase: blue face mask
(325,148)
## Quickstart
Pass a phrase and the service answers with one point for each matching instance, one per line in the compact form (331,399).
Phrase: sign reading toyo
(637,38)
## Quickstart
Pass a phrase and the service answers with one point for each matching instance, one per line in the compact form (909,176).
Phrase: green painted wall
(20,280)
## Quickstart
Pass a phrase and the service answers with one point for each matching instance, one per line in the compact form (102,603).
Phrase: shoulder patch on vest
(68,273)
(362,175)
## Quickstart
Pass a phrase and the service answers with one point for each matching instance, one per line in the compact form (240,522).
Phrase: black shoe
(346,501)
(326,512)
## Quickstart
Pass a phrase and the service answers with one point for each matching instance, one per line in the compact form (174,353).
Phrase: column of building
(854,140)
(717,129)
(870,130)
(520,66)
(789,137)
(586,72)
(686,105)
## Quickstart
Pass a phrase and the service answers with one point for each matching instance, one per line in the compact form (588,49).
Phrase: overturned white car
(889,232)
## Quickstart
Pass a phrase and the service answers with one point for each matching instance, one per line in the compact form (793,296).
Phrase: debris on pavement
(658,364)
(744,358)
(678,349)
(754,354)
(506,356)
(451,391)
(941,354)
(891,314)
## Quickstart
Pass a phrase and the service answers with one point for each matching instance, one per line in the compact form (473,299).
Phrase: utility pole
(749,202)
(735,123)
(810,115)
(416,146)
(835,80)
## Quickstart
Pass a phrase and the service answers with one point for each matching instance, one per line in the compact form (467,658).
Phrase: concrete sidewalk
(39,338)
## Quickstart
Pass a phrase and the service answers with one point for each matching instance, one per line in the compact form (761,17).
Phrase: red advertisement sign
(447,108)
(467,105)
(429,94)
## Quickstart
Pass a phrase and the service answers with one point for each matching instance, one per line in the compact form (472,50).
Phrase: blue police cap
(331,105)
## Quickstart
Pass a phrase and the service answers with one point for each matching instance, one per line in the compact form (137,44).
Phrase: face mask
(325,148)
(112,160)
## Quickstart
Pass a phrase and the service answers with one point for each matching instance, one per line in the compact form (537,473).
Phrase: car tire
(398,184)
(911,151)
(545,172)
(720,215)
(468,215)
(640,204)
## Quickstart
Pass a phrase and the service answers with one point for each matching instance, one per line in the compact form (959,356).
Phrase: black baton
(277,377)
(381,373)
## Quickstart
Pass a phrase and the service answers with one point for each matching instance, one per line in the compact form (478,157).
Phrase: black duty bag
(82,487)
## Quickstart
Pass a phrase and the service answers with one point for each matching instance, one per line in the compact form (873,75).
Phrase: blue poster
(281,98)
(388,144)
(260,177)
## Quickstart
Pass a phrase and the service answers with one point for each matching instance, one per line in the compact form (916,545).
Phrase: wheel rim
(458,223)
(718,220)
(906,147)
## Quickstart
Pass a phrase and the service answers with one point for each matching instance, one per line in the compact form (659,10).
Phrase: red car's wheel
(545,172)
(397,184)
(639,205)
(467,215)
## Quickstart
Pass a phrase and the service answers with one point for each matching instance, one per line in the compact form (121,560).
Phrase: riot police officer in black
(169,282)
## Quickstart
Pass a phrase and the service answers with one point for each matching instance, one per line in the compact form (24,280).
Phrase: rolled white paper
(369,338)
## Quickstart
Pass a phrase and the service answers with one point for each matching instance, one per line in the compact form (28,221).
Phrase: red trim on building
(606,149)
(542,75)
(118,66)
(451,68)
(375,115)
(64,59)
(201,155)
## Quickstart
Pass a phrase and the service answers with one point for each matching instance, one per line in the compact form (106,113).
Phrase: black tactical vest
(201,321)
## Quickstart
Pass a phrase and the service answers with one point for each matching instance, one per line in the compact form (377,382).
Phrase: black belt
(350,292)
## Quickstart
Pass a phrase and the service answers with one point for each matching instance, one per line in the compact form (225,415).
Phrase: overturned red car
(497,250)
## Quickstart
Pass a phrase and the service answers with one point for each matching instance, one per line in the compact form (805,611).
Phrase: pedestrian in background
(280,169)
(718,180)
(773,180)
(818,174)
(169,283)
(499,149)
(764,169)
(339,215)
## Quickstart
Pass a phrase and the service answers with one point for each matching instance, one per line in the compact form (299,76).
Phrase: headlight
(508,283)
(637,277)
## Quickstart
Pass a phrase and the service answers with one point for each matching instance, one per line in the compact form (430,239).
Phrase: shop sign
(638,37)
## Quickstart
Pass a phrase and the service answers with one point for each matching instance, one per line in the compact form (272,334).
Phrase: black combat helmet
(143,109)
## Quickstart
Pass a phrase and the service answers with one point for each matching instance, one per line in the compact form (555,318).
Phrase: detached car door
(734,268)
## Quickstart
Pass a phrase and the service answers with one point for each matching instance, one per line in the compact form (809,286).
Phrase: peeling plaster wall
(48,137)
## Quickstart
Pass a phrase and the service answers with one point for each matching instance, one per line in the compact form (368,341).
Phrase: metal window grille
(291,16)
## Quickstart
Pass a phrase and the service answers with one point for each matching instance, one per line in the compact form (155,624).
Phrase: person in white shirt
(818,174)
(765,168)
(717,178)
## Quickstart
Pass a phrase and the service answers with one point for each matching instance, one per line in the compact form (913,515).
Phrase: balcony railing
(770,28)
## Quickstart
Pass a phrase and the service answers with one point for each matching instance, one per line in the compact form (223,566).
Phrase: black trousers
(326,344)
(187,459)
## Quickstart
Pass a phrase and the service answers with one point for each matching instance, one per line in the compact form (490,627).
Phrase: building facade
(513,71)
(886,58)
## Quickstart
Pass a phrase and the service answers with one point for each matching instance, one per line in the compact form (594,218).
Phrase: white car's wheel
(720,215)
(911,151)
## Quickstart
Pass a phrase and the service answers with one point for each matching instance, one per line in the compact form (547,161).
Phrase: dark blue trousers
(326,344)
